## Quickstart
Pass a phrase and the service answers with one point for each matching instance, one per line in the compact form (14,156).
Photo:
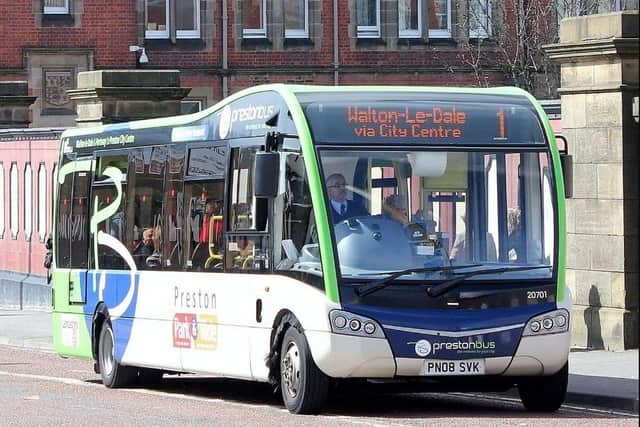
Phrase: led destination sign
(434,123)
(417,122)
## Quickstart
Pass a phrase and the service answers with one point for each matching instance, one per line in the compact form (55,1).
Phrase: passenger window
(246,248)
(245,252)
(246,212)
(109,204)
(204,225)
(146,180)
(173,217)
(299,243)
(80,220)
(63,228)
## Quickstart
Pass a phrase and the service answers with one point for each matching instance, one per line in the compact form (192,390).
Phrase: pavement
(605,380)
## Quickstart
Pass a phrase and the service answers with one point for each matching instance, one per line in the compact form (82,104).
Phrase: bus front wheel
(113,374)
(304,387)
(544,394)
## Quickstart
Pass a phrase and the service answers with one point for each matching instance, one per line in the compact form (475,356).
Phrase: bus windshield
(404,209)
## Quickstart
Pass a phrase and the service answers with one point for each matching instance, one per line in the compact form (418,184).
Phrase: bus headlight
(339,322)
(553,322)
(357,325)
(535,326)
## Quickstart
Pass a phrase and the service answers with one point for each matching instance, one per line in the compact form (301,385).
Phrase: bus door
(72,228)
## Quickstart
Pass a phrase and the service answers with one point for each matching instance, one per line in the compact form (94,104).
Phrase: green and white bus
(217,243)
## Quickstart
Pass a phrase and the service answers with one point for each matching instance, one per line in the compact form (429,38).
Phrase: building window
(409,18)
(56,7)
(479,18)
(42,202)
(13,200)
(191,105)
(1,201)
(254,18)
(28,201)
(296,18)
(187,19)
(439,18)
(368,18)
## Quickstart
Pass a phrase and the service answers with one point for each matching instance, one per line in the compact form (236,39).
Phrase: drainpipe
(336,58)
(225,65)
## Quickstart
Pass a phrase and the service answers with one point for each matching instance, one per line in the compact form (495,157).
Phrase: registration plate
(453,367)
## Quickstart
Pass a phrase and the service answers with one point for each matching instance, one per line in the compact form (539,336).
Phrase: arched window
(28,201)
(13,201)
(42,202)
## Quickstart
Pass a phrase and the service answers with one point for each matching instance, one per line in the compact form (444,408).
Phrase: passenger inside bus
(395,208)
(147,248)
(341,207)
(515,239)
(460,252)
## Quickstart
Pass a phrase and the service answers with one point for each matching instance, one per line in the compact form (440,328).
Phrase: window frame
(411,33)
(484,31)
(156,34)
(195,33)
(256,33)
(438,33)
(56,10)
(170,6)
(369,31)
(297,33)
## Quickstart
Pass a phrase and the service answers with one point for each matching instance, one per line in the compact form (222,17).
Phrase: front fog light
(535,326)
(355,325)
(560,321)
(340,322)
(547,323)
(369,328)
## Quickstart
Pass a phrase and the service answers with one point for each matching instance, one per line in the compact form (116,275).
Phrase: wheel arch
(282,321)
(100,315)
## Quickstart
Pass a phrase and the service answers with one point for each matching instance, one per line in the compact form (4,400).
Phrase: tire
(113,374)
(304,387)
(545,394)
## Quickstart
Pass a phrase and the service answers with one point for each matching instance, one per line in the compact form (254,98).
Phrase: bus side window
(203,237)
(109,189)
(247,246)
(173,218)
(63,228)
(298,226)
(80,220)
(145,228)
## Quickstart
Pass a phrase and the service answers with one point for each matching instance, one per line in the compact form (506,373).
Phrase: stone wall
(599,85)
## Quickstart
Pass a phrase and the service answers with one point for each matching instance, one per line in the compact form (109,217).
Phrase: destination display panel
(423,122)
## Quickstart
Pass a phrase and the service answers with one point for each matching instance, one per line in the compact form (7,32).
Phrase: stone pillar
(599,95)
(112,96)
(14,105)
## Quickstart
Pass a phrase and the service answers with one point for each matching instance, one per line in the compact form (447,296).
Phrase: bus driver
(341,207)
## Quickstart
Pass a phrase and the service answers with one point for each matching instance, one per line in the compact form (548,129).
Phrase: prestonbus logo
(423,347)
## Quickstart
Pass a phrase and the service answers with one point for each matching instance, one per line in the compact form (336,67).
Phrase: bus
(217,243)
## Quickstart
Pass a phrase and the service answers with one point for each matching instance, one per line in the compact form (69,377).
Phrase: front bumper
(343,356)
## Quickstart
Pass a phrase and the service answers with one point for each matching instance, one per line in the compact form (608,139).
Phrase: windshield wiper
(446,286)
(369,288)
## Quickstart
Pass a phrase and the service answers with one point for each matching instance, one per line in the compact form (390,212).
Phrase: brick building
(221,46)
